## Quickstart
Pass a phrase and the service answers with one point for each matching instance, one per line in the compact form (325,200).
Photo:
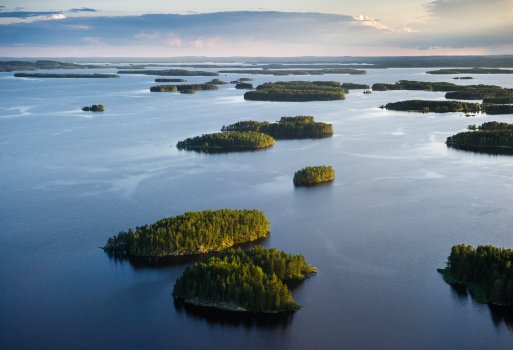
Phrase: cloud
(256,33)
(25,14)
(83,9)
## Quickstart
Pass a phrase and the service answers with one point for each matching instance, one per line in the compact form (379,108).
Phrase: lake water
(70,179)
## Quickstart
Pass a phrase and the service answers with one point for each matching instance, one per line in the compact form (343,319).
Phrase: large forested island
(314,175)
(191,233)
(297,91)
(229,141)
(471,71)
(300,127)
(64,75)
(183,88)
(416,85)
(486,271)
(250,281)
(10,66)
(170,72)
(492,137)
(296,71)
(425,106)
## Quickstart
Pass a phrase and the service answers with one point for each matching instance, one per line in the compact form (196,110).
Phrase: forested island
(314,175)
(416,85)
(229,141)
(471,71)
(191,233)
(244,86)
(425,106)
(183,88)
(491,137)
(353,86)
(486,271)
(94,108)
(351,71)
(171,72)
(247,281)
(170,80)
(217,82)
(297,91)
(300,127)
(11,66)
(463,78)
(64,75)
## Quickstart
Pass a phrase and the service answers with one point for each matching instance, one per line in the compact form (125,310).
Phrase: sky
(167,28)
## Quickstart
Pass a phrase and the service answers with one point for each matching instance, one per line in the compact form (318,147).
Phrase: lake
(400,201)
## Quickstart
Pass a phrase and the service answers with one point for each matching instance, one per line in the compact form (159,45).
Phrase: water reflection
(234,318)
(502,316)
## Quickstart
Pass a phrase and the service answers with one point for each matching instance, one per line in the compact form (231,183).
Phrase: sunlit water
(70,179)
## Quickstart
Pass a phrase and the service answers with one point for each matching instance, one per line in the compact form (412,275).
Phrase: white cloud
(174,40)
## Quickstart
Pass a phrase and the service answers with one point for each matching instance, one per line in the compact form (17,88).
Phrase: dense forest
(425,106)
(64,75)
(498,109)
(416,85)
(353,86)
(94,108)
(170,80)
(351,71)
(191,233)
(486,270)
(471,71)
(171,72)
(244,86)
(314,175)
(10,66)
(487,93)
(183,88)
(300,127)
(491,136)
(253,280)
(297,91)
(227,141)
(217,82)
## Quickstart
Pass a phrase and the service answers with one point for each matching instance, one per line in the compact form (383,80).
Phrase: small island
(252,281)
(463,78)
(217,82)
(244,86)
(170,80)
(471,71)
(191,233)
(94,108)
(425,106)
(297,91)
(171,72)
(229,141)
(486,271)
(64,75)
(490,137)
(183,88)
(314,175)
(300,127)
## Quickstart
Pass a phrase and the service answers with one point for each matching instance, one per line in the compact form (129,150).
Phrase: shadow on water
(490,151)
(502,316)
(223,150)
(234,318)
(164,262)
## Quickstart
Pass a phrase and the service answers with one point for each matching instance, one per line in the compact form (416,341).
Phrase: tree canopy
(252,280)
(191,233)
(314,175)
(227,141)
(297,91)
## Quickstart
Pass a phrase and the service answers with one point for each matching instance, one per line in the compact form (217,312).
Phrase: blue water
(70,179)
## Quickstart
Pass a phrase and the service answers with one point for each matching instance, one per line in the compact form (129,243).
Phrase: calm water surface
(71,179)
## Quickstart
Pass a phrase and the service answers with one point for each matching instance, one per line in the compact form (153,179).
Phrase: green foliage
(94,108)
(471,71)
(321,71)
(170,72)
(191,233)
(486,270)
(169,80)
(351,86)
(244,86)
(253,280)
(183,88)
(492,136)
(416,85)
(228,141)
(300,127)
(498,109)
(64,75)
(297,91)
(217,82)
(433,106)
(314,175)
